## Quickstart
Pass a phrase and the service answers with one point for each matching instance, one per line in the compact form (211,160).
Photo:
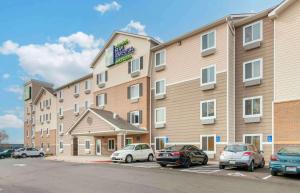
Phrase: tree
(3,135)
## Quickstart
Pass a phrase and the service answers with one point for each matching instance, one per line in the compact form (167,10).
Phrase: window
(208,41)
(160,87)
(208,143)
(86,104)
(87,144)
(27,133)
(42,145)
(160,142)
(61,128)
(46,117)
(60,111)
(208,75)
(109,59)
(135,65)
(254,139)
(160,58)
(252,107)
(135,117)
(76,108)
(76,88)
(87,85)
(253,70)
(102,77)
(160,115)
(252,33)
(47,131)
(208,109)
(111,144)
(134,91)
(61,94)
(41,132)
(128,141)
(100,100)
(61,145)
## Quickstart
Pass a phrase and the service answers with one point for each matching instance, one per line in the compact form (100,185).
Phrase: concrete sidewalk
(80,159)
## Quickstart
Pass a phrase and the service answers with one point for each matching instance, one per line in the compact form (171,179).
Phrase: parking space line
(267,177)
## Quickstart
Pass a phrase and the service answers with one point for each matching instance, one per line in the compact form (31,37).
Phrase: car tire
(128,159)
(205,161)
(42,155)
(23,155)
(150,158)
(162,165)
(187,163)
(262,164)
(1,157)
(251,167)
(222,167)
(274,173)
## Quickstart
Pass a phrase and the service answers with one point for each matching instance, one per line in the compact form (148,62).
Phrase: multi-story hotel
(233,80)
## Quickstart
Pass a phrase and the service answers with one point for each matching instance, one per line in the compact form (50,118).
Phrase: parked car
(286,161)
(6,153)
(241,156)
(28,152)
(181,155)
(133,152)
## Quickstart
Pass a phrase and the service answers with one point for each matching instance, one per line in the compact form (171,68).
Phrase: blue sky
(45,39)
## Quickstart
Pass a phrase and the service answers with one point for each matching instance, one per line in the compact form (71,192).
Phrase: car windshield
(129,147)
(290,151)
(5,151)
(174,148)
(235,148)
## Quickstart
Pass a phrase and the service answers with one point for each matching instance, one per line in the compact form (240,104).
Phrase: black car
(181,155)
(6,153)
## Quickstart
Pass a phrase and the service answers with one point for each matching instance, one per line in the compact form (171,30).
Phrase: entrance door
(75,146)
(98,146)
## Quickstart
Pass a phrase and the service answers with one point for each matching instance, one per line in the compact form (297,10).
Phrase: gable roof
(285,4)
(41,91)
(113,36)
(118,123)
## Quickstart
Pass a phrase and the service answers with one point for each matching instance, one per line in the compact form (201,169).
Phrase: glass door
(98,146)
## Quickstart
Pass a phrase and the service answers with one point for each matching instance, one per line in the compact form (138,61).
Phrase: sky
(56,40)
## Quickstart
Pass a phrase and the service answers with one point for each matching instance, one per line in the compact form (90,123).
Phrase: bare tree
(3,135)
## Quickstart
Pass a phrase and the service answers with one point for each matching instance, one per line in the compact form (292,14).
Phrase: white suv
(28,152)
(133,152)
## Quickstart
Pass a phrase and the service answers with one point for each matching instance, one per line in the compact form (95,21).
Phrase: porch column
(120,141)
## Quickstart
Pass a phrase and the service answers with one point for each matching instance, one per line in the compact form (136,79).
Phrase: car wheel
(1,157)
(274,173)
(222,167)
(150,158)
(262,164)
(205,161)
(128,159)
(24,155)
(187,163)
(42,155)
(251,167)
(163,165)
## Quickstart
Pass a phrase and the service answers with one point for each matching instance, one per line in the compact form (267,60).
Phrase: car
(133,152)
(28,152)
(6,153)
(241,156)
(285,161)
(181,155)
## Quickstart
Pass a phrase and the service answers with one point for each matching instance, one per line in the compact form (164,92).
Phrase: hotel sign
(119,53)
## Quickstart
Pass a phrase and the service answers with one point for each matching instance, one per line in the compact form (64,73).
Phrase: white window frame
(102,76)
(61,111)
(41,132)
(61,128)
(76,108)
(215,40)
(86,104)
(61,94)
(88,83)
(47,131)
(261,33)
(215,74)
(131,65)
(160,137)
(215,109)
(165,112)
(134,112)
(261,69)
(215,143)
(261,106)
(165,87)
(77,85)
(111,139)
(87,140)
(138,88)
(101,96)
(61,145)
(165,57)
(251,135)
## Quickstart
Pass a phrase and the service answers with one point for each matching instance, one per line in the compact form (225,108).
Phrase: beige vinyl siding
(265,89)
(287,57)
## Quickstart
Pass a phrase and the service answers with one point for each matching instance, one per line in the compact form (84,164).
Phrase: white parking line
(236,174)
(19,165)
(267,177)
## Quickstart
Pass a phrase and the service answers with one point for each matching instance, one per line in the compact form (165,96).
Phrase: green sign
(27,93)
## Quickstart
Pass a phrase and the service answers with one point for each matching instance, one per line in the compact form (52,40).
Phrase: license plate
(231,162)
(113,158)
(166,155)
(291,169)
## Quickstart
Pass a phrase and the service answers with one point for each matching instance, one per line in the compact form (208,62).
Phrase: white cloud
(10,121)
(135,27)
(18,111)
(15,89)
(103,8)
(159,39)
(58,62)
(6,76)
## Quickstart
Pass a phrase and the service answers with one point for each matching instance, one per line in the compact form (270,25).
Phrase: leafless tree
(3,135)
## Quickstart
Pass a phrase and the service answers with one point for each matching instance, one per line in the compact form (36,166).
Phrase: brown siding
(50,139)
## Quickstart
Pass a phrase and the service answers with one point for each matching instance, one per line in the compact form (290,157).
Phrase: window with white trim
(135,91)
(41,132)
(47,131)
(253,140)
(252,106)
(208,109)
(76,88)
(86,104)
(208,75)
(109,59)
(101,100)
(87,84)
(252,32)
(60,111)
(135,65)
(76,108)
(160,58)
(160,115)
(208,143)
(208,41)
(101,77)
(253,69)
(61,94)
(87,144)
(135,117)
(61,145)
(61,128)
(111,145)
(160,87)
(160,142)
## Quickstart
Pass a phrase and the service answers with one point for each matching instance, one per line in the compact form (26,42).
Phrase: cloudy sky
(56,40)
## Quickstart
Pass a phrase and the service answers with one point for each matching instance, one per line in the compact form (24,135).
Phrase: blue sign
(218,138)
(121,53)
(270,138)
